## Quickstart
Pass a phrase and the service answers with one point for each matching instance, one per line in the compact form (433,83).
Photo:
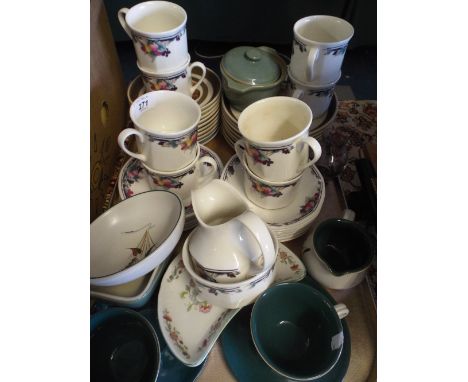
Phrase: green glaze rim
(267,360)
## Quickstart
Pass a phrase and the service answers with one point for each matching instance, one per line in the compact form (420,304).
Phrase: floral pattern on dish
(286,258)
(174,334)
(310,203)
(133,176)
(168,182)
(213,330)
(177,271)
(157,47)
(191,292)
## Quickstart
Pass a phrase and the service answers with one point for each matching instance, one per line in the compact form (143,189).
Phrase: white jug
(231,243)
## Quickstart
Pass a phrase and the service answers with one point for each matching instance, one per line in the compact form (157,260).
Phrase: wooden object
(108,110)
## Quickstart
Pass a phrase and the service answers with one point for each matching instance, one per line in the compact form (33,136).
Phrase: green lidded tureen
(250,74)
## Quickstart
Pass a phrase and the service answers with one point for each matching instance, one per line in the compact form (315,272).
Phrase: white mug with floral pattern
(179,80)
(276,140)
(269,195)
(317,97)
(182,182)
(319,47)
(159,34)
(166,130)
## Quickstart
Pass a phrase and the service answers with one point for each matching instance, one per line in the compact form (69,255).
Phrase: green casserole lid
(249,65)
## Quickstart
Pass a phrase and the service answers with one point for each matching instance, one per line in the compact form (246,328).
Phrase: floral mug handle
(316,148)
(202,77)
(124,134)
(121,14)
(239,147)
(311,59)
(213,168)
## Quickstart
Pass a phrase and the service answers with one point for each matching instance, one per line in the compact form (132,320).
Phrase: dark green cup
(338,253)
(124,347)
(296,331)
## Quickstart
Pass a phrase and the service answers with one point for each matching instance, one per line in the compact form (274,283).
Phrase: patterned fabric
(356,122)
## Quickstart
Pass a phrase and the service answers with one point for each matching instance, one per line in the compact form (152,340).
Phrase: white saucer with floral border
(133,179)
(190,326)
(291,221)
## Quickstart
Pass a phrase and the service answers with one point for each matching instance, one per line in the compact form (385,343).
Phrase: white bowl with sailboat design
(134,237)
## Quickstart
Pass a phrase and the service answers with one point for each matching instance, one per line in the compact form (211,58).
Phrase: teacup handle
(205,178)
(121,14)
(203,68)
(258,228)
(124,134)
(311,59)
(239,147)
(317,150)
(341,310)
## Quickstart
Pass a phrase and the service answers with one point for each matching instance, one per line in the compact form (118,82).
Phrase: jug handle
(258,228)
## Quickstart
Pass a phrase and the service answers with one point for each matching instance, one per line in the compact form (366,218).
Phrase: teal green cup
(124,347)
(297,332)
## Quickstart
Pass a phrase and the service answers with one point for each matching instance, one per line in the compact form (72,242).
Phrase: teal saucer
(171,368)
(248,366)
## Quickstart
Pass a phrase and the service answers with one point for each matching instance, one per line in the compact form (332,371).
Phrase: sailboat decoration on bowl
(144,247)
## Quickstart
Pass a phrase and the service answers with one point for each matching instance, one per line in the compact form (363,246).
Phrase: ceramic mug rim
(141,6)
(355,226)
(241,284)
(279,143)
(266,359)
(307,41)
(166,94)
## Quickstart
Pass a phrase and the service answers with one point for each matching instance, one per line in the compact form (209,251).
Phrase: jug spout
(217,202)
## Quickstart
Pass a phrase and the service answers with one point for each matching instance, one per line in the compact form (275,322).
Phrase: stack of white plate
(133,180)
(208,96)
(230,116)
(294,220)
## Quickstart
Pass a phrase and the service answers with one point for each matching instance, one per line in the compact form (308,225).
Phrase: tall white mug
(159,35)
(319,47)
(166,130)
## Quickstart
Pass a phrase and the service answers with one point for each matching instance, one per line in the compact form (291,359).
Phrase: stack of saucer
(230,118)
(208,96)
(134,179)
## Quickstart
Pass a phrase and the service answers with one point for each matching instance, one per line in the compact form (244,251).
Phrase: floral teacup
(166,127)
(266,194)
(276,140)
(159,35)
(179,80)
(182,182)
